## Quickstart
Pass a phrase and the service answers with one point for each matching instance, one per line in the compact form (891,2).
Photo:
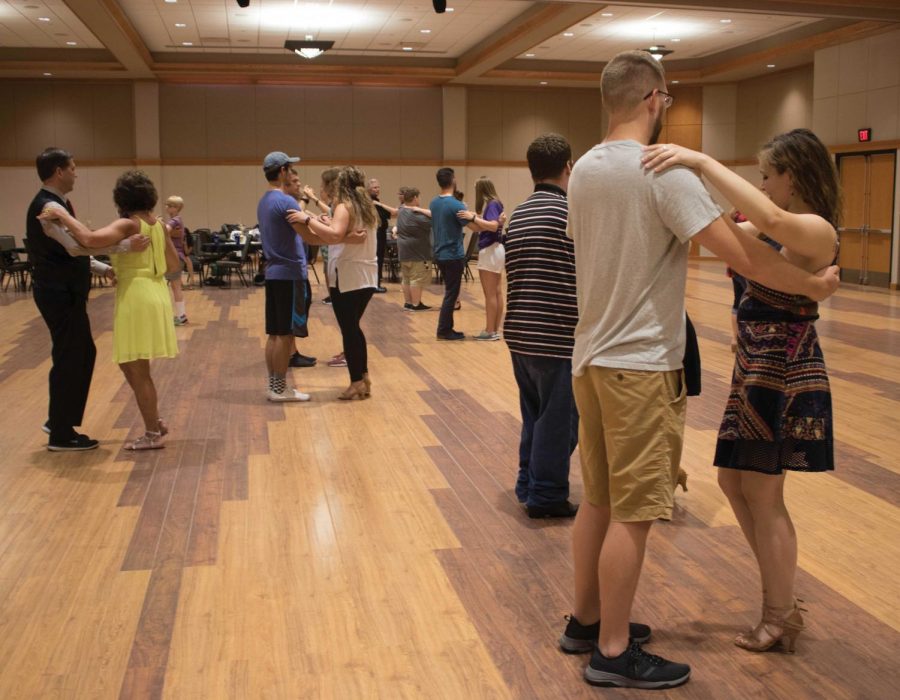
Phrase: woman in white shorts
(491,255)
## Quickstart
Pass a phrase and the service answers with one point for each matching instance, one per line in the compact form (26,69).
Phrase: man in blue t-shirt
(285,274)
(448,249)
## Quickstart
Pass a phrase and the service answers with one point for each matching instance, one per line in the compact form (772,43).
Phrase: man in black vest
(62,280)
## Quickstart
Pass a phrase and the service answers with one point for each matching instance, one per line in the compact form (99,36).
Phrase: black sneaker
(563,509)
(46,426)
(421,307)
(580,639)
(408,307)
(380,290)
(298,360)
(79,443)
(635,668)
(452,335)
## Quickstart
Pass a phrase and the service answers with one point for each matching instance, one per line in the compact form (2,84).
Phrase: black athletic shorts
(283,299)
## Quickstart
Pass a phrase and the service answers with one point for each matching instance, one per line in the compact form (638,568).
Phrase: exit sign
(864,135)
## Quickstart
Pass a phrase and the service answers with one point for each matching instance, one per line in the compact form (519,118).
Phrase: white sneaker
(288,395)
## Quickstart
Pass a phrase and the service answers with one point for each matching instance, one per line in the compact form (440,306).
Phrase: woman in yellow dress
(143,328)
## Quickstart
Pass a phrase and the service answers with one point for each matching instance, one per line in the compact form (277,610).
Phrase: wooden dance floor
(375,549)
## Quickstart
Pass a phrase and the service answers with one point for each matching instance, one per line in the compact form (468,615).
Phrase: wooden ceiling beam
(106,20)
(871,10)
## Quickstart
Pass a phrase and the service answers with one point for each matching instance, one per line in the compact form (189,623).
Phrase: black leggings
(349,308)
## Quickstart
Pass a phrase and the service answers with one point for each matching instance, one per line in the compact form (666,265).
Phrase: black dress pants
(381,238)
(452,272)
(73,353)
(349,308)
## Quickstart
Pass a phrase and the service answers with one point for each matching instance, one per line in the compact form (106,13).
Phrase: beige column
(455,131)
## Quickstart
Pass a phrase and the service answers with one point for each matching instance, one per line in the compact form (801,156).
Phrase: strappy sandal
(148,441)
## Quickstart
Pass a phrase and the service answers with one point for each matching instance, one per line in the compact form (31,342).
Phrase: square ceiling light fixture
(308,48)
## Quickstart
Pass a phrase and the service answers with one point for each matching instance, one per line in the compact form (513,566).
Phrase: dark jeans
(452,272)
(73,353)
(549,428)
(349,308)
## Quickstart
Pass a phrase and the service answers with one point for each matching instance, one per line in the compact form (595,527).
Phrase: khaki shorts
(415,273)
(630,438)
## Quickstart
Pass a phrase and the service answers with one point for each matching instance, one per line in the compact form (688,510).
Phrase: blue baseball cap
(277,159)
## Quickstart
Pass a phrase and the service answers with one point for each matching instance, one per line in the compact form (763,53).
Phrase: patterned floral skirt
(778,414)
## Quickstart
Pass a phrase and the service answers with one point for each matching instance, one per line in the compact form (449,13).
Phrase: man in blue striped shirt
(540,330)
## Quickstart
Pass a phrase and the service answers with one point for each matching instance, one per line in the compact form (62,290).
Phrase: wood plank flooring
(376,549)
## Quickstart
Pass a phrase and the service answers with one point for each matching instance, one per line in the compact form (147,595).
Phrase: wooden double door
(866,232)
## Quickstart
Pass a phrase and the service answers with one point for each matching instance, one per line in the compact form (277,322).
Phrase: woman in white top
(355,271)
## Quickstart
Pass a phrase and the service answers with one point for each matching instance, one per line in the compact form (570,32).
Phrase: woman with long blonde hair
(491,254)
(354,267)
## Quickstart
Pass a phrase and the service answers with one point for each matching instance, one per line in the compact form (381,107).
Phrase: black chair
(311,261)
(11,266)
(236,264)
(201,259)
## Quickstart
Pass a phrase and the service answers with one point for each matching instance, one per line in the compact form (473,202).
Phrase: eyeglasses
(667,98)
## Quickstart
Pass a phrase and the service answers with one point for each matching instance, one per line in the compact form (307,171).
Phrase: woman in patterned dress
(778,416)
(143,327)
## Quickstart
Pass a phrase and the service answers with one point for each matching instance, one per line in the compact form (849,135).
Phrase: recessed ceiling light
(171,2)
(187,43)
(771,65)
(543,82)
(48,74)
(529,55)
(675,82)
(568,34)
(180,25)
(725,21)
(71,43)
(676,40)
(425,31)
(606,14)
(43,19)
(450,9)
(407,48)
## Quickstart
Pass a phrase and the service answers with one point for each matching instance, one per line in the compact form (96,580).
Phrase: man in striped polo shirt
(539,330)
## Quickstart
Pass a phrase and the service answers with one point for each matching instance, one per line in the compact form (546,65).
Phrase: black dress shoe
(79,443)
(298,360)
(452,335)
(380,290)
(563,509)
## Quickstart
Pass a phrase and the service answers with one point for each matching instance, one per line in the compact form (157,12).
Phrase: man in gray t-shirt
(631,230)
(413,248)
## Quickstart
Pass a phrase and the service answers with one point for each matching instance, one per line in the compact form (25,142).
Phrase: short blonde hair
(175,201)
(627,78)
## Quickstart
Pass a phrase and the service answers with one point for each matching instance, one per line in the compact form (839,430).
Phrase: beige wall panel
(7,123)
(233,194)
(688,135)
(718,141)
(329,105)
(587,122)
(373,105)
(719,104)
(851,116)
(370,141)
(113,121)
(73,118)
(232,104)
(771,105)
(551,113)
(485,106)
(854,60)
(182,103)
(518,123)
(329,140)
(230,139)
(17,188)
(290,138)
(825,119)
(183,140)
(881,113)
(421,124)
(280,104)
(421,177)
(35,127)
(485,142)
(884,61)
(92,196)
(827,72)
(190,183)
(454,101)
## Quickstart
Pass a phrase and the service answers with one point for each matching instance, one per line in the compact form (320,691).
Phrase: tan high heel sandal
(778,625)
(368,384)
(356,390)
